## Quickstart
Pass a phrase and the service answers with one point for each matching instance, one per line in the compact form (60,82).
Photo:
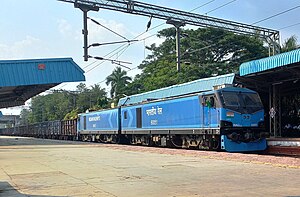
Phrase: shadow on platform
(8,190)
(23,141)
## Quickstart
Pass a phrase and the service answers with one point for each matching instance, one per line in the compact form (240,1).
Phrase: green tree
(24,114)
(48,107)
(83,98)
(60,105)
(206,52)
(290,44)
(98,99)
(91,99)
(118,80)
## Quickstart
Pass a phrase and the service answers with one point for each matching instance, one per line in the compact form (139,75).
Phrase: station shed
(274,78)
(23,79)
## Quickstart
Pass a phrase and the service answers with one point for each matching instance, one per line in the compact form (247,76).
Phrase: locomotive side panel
(100,122)
(182,113)
(129,119)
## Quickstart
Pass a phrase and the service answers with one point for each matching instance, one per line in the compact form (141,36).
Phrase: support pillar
(177,25)
(85,8)
(275,110)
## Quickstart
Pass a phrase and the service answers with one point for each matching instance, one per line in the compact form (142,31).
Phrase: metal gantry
(138,8)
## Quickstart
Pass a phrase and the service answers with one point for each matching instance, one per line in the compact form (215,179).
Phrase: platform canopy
(274,78)
(23,79)
(269,63)
(196,86)
(282,69)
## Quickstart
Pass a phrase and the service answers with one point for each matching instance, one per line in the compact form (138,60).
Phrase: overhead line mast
(138,8)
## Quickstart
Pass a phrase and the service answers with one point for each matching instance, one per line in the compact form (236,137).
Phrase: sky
(33,29)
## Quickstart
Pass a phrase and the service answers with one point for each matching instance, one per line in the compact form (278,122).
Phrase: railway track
(284,146)
(283,150)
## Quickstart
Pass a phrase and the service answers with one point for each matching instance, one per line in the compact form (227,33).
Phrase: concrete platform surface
(41,168)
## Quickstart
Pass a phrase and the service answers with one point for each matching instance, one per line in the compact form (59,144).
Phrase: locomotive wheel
(146,141)
(114,139)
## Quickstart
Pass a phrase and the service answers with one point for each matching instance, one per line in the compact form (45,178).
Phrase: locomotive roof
(97,111)
(197,86)
(234,89)
(227,89)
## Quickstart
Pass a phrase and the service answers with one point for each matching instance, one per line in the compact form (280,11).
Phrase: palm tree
(118,80)
(289,44)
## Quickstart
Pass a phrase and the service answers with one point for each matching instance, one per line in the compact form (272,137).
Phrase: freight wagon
(57,129)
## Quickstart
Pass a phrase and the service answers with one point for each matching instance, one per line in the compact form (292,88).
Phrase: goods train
(230,119)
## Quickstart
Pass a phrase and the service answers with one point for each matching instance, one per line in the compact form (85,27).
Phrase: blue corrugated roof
(23,79)
(199,85)
(268,63)
(39,71)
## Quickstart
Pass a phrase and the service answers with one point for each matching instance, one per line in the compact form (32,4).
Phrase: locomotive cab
(241,120)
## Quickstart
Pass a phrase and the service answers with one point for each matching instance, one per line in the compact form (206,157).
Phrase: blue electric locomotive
(229,118)
(100,126)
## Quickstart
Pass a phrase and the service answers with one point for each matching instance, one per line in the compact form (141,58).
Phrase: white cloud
(64,27)
(27,48)
(98,33)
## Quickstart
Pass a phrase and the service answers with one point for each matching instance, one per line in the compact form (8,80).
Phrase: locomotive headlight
(226,123)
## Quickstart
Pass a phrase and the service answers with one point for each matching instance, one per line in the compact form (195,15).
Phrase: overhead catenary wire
(193,51)
(156,26)
(225,4)
(89,64)
(202,5)
(123,49)
(118,62)
(93,20)
(275,15)
(289,26)
(108,43)
(105,59)
(164,23)
(118,50)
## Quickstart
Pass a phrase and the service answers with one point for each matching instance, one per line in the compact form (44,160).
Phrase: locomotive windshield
(243,102)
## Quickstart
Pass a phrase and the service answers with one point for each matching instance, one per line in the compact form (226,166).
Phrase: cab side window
(209,101)
(125,115)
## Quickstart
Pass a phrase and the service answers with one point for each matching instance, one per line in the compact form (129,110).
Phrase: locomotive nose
(246,120)
(233,136)
(248,136)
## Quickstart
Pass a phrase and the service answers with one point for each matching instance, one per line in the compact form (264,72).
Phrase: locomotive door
(84,122)
(208,104)
(139,117)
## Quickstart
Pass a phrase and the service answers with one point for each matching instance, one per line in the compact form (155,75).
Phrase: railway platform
(41,167)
